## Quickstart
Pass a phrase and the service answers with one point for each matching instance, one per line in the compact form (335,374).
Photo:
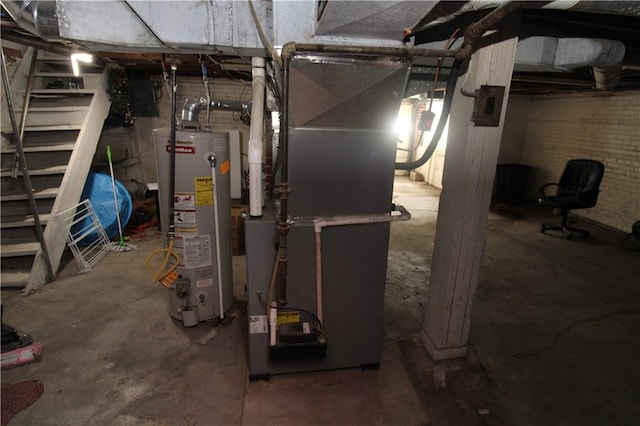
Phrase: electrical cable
(446,109)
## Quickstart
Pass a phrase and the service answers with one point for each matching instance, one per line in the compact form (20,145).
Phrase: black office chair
(578,189)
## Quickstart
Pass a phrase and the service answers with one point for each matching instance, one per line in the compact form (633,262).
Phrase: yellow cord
(163,271)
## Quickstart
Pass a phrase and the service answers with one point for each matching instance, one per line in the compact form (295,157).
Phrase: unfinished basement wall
(193,87)
(515,129)
(599,126)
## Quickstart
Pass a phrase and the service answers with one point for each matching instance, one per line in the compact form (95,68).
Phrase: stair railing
(25,108)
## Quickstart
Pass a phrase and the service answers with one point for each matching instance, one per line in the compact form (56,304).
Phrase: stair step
(14,279)
(19,249)
(59,101)
(38,194)
(69,146)
(54,109)
(45,56)
(61,91)
(53,128)
(55,170)
(67,74)
(22,221)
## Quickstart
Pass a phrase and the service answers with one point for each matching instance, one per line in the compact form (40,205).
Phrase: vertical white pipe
(255,138)
(212,160)
(319,307)
(273,322)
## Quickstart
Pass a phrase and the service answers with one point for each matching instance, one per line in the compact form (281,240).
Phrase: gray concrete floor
(555,340)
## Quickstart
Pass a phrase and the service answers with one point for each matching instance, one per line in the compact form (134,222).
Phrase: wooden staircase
(64,121)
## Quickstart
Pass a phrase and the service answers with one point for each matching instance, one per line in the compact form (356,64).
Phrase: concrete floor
(555,340)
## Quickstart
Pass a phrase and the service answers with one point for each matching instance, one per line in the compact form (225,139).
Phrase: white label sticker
(204,283)
(305,328)
(184,218)
(258,324)
(193,251)
(184,201)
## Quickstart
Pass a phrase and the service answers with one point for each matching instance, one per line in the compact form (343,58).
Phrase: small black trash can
(511,183)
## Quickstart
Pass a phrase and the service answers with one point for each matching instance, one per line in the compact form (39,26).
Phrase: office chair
(578,188)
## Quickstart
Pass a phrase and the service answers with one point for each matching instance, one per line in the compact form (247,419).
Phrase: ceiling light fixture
(79,57)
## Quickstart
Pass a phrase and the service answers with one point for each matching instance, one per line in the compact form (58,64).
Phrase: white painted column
(469,169)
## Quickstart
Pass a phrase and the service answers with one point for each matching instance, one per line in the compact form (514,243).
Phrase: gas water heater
(201,208)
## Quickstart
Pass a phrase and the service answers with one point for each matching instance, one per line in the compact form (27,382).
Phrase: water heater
(204,288)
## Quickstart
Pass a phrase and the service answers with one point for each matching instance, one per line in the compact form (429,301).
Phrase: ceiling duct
(339,92)
(628,8)
(565,54)
(37,17)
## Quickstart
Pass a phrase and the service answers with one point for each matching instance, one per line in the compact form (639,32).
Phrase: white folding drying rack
(88,255)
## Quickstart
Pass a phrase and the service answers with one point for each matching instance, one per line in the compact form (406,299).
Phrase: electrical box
(488,106)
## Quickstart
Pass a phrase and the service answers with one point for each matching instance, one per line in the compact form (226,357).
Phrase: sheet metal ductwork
(564,54)
(37,17)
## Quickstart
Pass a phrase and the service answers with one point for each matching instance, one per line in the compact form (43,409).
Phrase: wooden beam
(469,170)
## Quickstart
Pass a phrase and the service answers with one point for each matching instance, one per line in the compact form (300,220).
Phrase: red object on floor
(18,396)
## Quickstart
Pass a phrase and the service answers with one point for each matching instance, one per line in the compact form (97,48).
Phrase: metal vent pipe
(192,107)
(37,17)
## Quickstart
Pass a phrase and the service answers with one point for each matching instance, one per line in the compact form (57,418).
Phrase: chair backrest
(582,178)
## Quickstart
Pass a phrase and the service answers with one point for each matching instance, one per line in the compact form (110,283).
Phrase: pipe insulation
(605,56)
(565,54)
(256,144)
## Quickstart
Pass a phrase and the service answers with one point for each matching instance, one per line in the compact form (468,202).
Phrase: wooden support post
(469,170)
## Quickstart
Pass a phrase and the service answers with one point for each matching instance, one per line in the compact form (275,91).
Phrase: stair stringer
(72,182)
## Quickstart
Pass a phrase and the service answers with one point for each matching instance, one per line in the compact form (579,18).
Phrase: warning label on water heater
(184,201)
(193,251)
(204,190)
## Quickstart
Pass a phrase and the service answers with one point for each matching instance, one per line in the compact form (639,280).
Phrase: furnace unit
(341,157)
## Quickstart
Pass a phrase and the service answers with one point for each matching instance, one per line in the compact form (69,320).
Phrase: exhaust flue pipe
(192,107)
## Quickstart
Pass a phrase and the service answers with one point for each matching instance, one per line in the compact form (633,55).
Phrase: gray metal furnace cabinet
(341,162)
(354,258)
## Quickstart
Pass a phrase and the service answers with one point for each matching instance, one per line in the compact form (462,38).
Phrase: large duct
(564,54)
(37,17)
(447,11)
(629,8)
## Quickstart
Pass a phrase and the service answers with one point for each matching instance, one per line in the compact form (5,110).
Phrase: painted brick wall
(515,130)
(599,126)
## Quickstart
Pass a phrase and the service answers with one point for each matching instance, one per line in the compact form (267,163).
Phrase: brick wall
(221,89)
(599,126)
(138,140)
(515,129)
